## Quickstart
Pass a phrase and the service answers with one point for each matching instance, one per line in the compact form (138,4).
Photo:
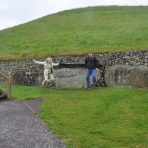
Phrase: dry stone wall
(25,72)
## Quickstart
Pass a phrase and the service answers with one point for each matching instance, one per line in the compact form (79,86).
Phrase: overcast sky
(14,12)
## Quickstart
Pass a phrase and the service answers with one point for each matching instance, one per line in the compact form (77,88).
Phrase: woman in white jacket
(48,69)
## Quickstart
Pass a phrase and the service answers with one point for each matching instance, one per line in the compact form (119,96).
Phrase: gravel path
(20,128)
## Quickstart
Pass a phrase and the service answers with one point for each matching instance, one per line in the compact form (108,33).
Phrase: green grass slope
(95,118)
(101,29)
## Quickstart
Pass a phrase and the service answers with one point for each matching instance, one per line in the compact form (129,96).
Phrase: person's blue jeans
(90,72)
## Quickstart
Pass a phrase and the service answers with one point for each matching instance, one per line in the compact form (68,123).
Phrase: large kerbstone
(123,75)
(68,77)
(71,77)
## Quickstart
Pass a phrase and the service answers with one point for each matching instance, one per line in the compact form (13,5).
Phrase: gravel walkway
(20,128)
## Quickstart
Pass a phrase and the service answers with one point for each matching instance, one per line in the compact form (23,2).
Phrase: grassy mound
(99,29)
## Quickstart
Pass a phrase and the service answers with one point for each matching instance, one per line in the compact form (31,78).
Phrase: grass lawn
(95,118)
(74,32)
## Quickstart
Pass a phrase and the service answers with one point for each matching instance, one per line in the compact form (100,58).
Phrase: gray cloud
(13,12)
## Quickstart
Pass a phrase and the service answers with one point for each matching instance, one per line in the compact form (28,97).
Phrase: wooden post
(9,82)
(9,87)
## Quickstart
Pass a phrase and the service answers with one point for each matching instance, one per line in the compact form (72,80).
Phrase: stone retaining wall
(25,72)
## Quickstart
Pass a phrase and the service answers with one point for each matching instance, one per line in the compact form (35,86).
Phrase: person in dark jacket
(91,63)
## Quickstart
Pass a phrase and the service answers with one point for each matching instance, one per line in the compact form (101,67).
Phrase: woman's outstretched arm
(38,62)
